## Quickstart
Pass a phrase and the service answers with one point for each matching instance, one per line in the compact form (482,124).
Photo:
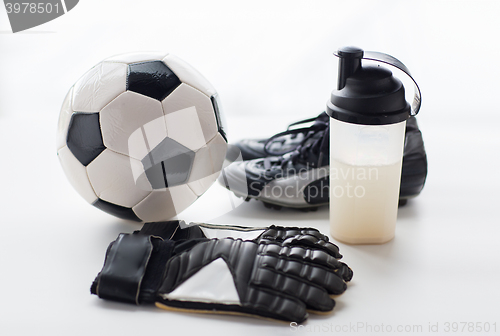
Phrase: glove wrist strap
(124,268)
(133,268)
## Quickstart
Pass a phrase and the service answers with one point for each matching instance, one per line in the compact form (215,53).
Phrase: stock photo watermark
(160,162)
(25,14)
(384,328)
(345,182)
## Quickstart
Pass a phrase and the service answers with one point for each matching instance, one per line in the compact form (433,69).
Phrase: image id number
(470,327)
(31,7)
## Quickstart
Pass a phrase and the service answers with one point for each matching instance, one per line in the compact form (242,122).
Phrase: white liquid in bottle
(363,202)
(365,176)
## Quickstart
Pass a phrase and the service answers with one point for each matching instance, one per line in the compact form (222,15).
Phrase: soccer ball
(140,136)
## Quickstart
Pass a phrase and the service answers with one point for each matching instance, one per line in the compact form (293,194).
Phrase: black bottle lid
(369,95)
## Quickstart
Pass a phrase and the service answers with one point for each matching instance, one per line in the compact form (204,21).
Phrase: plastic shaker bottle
(367,130)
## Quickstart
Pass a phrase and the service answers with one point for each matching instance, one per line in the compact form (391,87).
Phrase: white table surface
(272,65)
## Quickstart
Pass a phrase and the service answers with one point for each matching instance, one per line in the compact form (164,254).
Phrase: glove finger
(314,243)
(267,302)
(345,272)
(281,233)
(327,278)
(294,236)
(314,297)
(314,256)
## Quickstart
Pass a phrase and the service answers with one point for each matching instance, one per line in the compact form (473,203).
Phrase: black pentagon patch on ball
(153,79)
(84,137)
(220,127)
(116,210)
(168,164)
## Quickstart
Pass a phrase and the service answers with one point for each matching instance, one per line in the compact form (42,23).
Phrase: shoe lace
(318,147)
(319,125)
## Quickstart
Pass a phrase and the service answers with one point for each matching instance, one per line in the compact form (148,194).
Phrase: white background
(272,63)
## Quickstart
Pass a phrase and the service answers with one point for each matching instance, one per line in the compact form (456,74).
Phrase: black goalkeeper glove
(280,274)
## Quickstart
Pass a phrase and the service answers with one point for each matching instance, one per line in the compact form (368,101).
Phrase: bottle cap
(370,95)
